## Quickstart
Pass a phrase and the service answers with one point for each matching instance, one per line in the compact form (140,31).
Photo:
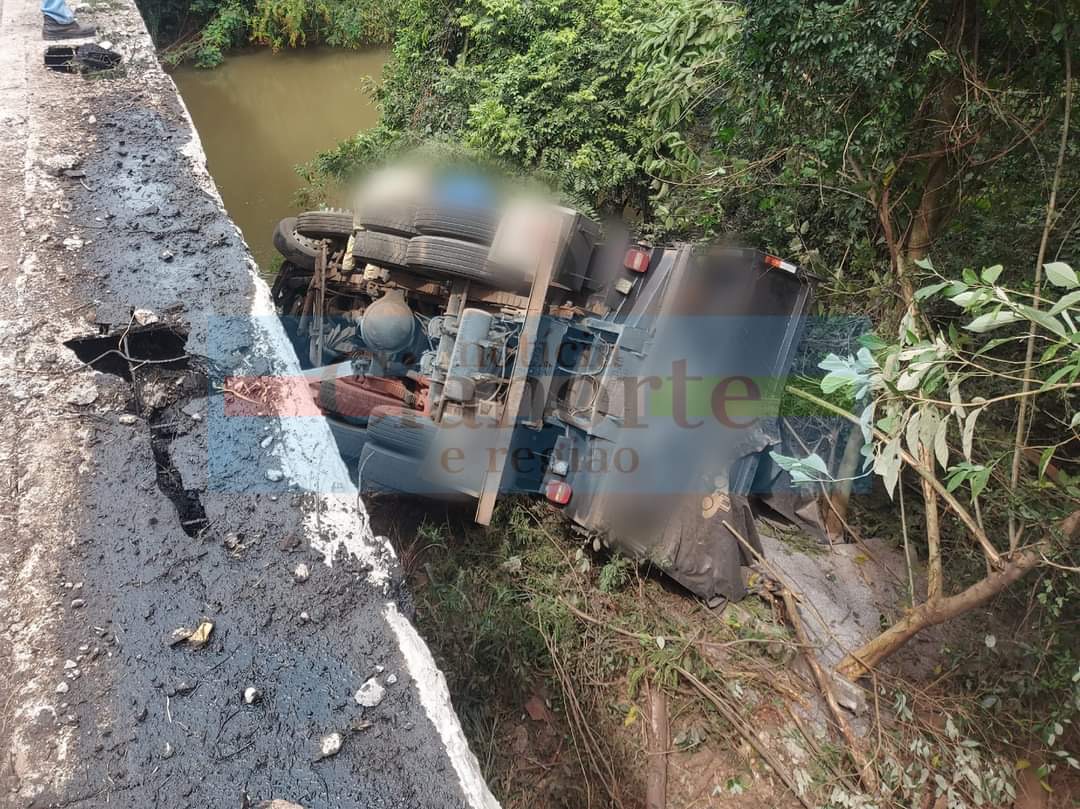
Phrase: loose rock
(59,163)
(370,693)
(302,572)
(330,744)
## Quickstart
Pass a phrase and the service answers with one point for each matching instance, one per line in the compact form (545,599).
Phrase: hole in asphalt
(152,359)
(154,344)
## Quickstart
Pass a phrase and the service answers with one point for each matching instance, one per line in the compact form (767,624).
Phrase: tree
(926,398)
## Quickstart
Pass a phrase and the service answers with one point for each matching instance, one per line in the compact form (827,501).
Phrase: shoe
(51,29)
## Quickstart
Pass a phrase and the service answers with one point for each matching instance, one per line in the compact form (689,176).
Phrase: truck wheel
(333,224)
(350,438)
(453,257)
(404,431)
(294,247)
(395,219)
(380,248)
(469,224)
(384,471)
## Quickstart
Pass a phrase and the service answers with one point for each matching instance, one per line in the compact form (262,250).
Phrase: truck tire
(382,249)
(468,224)
(453,257)
(293,247)
(405,431)
(335,224)
(350,437)
(395,219)
(384,471)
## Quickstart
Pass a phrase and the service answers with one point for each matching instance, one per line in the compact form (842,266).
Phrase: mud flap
(700,549)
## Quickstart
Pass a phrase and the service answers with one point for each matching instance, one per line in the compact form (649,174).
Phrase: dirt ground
(133,505)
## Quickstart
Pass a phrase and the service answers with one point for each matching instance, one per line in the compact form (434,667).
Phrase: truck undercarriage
(466,350)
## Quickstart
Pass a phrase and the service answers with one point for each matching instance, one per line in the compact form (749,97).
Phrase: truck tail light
(558,492)
(780,264)
(636,259)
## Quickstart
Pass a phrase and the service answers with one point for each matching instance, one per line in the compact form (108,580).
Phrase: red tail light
(558,492)
(636,259)
(780,264)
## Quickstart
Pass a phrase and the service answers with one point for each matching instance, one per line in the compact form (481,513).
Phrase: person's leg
(58,10)
(60,23)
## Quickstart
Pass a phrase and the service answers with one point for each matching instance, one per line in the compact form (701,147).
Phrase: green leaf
(925,263)
(1061,275)
(991,321)
(1044,459)
(1064,302)
(941,444)
(968,436)
(990,274)
(1057,376)
(979,481)
(887,464)
(927,291)
(1043,319)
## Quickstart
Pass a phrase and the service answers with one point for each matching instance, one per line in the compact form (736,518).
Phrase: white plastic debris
(252,695)
(330,744)
(370,693)
(144,317)
(274,475)
(62,688)
(302,572)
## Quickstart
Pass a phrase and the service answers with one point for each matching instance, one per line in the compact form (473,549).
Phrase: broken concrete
(165,519)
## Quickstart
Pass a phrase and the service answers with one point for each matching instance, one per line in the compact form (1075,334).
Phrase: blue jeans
(58,10)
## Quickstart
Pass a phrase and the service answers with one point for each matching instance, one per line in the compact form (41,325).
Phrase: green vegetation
(203,31)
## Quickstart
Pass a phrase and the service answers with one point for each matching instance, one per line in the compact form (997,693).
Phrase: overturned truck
(464,350)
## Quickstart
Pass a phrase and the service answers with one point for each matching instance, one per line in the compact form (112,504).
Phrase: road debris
(274,475)
(127,419)
(302,572)
(330,745)
(195,638)
(62,688)
(370,693)
(144,317)
(252,695)
(59,163)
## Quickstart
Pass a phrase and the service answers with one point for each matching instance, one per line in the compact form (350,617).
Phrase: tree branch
(1029,356)
(927,474)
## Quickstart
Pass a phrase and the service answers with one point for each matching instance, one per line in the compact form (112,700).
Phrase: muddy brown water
(261,114)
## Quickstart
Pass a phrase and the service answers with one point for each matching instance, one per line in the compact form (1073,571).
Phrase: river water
(261,114)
